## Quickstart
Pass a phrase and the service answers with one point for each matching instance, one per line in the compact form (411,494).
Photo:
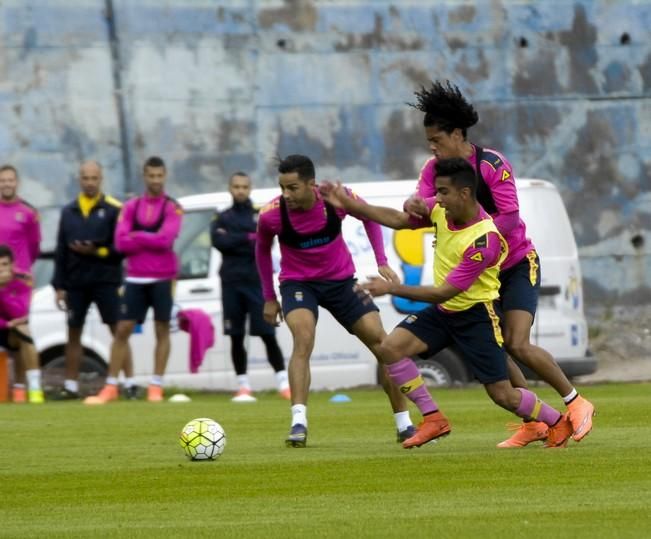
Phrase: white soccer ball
(203,439)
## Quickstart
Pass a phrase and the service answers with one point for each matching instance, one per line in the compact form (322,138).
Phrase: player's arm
(105,248)
(498,175)
(224,240)
(429,294)
(34,236)
(271,310)
(164,238)
(124,240)
(338,196)
(60,256)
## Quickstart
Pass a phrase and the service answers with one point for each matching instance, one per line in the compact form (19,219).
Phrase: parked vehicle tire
(445,369)
(92,374)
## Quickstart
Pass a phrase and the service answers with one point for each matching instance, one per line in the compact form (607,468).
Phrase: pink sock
(406,376)
(532,407)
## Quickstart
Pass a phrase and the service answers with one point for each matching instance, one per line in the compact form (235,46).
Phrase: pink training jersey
(471,266)
(150,253)
(498,176)
(14,300)
(20,231)
(329,262)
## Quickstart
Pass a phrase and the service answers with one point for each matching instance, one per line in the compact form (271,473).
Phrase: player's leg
(10,343)
(478,335)
(234,322)
(417,334)
(133,308)
(519,299)
(355,310)
(107,299)
(77,302)
(161,299)
(300,310)
(267,332)
(21,338)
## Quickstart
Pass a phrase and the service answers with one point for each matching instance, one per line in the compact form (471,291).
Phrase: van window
(547,222)
(193,245)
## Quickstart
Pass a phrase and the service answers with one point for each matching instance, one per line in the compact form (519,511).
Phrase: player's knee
(517,346)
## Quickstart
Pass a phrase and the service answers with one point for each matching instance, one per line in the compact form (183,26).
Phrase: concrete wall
(562,87)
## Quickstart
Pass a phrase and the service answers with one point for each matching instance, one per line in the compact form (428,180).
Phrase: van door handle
(201,290)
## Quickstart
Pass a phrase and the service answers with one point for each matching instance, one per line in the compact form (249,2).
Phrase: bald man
(87,269)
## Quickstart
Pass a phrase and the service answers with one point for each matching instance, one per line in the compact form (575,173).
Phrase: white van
(339,359)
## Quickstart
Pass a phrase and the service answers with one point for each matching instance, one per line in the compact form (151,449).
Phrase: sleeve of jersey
(34,236)
(263,259)
(374,234)
(501,182)
(17,305)
(475,260)
(124,242)
(425,187)
(423,222)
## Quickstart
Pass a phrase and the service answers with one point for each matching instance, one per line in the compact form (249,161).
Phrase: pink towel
(202,334)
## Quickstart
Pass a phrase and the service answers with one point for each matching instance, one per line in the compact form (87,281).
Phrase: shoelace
(515,426)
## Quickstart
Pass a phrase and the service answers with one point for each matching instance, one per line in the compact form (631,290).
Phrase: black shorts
(475,331)
(240,299)
(4,340)
(137,299)
(520,285)
(344,301)
(105,296)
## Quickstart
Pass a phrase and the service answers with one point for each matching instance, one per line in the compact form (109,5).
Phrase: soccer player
(15,294)
(467,258)
(448,116)
(21,232)
(88,269)
(146,231)
(233,234)
(316,268)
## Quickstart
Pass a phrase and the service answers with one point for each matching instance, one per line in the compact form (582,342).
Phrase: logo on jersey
(298,296)
(481,241)
(477,257)
(20,217)
(505,175)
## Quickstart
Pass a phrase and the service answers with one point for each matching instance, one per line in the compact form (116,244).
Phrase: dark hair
(9,167)
(155,162)
(445,107)
(238,173)
(6,252)
(300,164)
(459,171)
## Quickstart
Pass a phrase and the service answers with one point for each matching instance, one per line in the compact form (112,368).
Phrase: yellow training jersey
(450,248)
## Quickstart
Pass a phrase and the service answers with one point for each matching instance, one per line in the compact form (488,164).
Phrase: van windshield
(548,224)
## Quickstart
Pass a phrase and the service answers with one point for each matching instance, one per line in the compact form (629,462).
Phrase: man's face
(90,179)
(444,145)
(454,200)
(6,270)
(8,184)
(240,188)
(298,194)
(155,180)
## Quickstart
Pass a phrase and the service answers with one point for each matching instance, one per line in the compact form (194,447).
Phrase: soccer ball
(203,439)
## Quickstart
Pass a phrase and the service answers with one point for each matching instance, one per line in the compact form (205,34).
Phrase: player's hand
(388,274)
(83,247)
(272,313)
(333,192)
(377,286)
(17,322)
(5,276)
(61,300)
(416,207)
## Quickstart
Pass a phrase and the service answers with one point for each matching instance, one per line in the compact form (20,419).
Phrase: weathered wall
(562,87)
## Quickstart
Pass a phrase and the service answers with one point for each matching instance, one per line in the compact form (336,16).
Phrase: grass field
(67,470)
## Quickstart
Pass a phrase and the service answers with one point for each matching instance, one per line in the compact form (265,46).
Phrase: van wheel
(92,374)
(445,369)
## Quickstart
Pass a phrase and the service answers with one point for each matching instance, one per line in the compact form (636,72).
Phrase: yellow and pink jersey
(497,195)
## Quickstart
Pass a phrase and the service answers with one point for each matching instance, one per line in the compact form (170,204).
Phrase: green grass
(67,470)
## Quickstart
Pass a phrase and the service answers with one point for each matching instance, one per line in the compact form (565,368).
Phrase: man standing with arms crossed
(21,232)
(233,234)
(316,269)
(147,229)
(88,269)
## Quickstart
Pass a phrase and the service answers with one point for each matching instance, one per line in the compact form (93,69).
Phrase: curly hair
(445,107)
